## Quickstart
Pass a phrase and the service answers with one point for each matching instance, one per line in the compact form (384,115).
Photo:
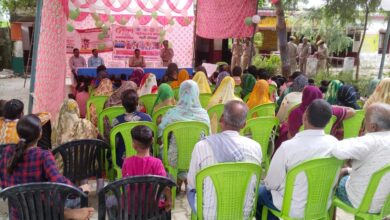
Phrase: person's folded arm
(352,148)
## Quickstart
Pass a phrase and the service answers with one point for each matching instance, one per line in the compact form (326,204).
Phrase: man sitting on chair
(368,154)
(308,144)
(227,146)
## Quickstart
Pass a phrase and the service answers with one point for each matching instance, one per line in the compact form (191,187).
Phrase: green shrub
(271,64)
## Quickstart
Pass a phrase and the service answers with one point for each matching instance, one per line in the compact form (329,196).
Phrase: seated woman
(165,97)
(188,108)
(136,76)
(27,163)
(236,73)
(347,96)
(171,73)
(104,88)
(203,83)
(137,60)
(181,77)
(130,102)
(333,89)
(381,94)
(148,85)
(259,95)
(221,77)
(82,95)
(247,84)
(13,111)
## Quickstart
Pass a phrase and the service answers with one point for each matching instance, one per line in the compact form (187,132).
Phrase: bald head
(378,117)
(234,116)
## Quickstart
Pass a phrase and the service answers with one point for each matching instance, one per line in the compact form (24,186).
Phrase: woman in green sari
(165,97)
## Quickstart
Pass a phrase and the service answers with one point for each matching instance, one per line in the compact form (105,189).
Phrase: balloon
(74,14)
(95,17)
(123,21)
(256,19)
(99,24)
(154,15)
(162,33)
(101,46)
(105,28)
(69,28)
(385,5)
(172,22)
(101,36)
(248,21)
(138,14)
(111,19)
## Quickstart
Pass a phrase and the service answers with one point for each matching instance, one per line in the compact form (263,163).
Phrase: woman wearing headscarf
(224,93)
(333,89)
(70,126)
(202,81)
(381,93)
(247,84)
(115,98)
(293,98)
(104,89)
(372,86)
(259,95)
(165,97)
(188,108)
(148,85)
(347,97)
(221,76)
(297,85)
(181,77)
(137,76)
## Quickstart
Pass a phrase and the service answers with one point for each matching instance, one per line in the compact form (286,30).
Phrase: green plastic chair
(360,103)
(262,111)
(322,174)
(237,91)
(231,181)
(110,113)
(328,127)
(246,98)
(204,99)
(176,93)
(187,134)
(272,89)
(353,125)
(98,102)
(161,112)
(125,131)
(362,212)
(261,130)
(216,110)
(212,87)
(148,101)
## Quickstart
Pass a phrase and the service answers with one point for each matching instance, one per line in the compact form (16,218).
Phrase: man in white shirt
(368,154)
(227,146)
(308,144)
(95,60)
(76,61)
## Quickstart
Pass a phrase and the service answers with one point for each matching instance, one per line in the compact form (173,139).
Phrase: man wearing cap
(322,55)
(292,54)
(304,52)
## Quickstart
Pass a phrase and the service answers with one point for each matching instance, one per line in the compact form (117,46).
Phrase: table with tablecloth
(159,72)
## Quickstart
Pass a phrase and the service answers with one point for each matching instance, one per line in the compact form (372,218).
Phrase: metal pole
(194,36)
(384,48)
(253,35)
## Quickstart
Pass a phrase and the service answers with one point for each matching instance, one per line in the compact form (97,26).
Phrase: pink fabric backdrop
(224,18)
(49,84)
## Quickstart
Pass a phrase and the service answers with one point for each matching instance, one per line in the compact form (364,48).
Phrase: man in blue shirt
(95,60)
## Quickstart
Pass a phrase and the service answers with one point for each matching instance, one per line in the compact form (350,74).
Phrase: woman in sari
(137,76)
(220,77)
(104,89)
(259,95)
(247,84)
(148,85)
(188,108)
(333,89)
(70,126)
(381,93)
(165,97)
(347,97)
(201,79)
(181,77)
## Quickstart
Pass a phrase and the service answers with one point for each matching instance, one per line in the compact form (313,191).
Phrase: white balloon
(256,19)
(385,5)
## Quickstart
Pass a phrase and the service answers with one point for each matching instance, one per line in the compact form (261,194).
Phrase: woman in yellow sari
(259,95)
(201,79)
(181,77)
(381,94)
(104,89)
(223,94)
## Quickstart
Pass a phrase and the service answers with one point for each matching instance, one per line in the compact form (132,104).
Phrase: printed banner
(144,38)
(88,39)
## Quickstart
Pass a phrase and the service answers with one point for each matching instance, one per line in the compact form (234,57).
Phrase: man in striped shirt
(227,146)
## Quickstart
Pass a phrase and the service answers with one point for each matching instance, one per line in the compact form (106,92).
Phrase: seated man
(368,153)
(308,144)
(227,146)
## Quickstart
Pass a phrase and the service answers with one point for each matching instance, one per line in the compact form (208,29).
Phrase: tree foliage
(10,6)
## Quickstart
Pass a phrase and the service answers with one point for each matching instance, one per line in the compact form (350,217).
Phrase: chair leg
(264,214)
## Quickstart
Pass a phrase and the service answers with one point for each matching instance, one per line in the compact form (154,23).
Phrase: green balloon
(69,28)
(101,46)
(105,28)
(99,24)
(123,21)
(248,21)
(171,22)
(74,14)
(101,36)
(111,19)
(162,33)
(154,15)
(138,14)
(95,17)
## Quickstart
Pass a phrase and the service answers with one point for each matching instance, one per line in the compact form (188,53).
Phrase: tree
(348,11)
(10,6)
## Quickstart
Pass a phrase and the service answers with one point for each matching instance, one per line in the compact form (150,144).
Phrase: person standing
(95,60)
(236,53)
(76,61)
(137,60)
(166,53)
(292,54)
(246,53)
(304,52)
(322,55)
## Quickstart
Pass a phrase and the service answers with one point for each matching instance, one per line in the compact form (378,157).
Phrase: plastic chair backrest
(176,93)
(148,101)
(231,182)
(353,125)
(237,91)
(136,197)
(328,127)
(40,200)
(322,175)
(264,110)
(98,102)
(82,159)
(161,112)
(124,130)
(360,103)
(216,111)
(187,134)
(110,113)
(261,131)
(245,99)
(204,99)
(272,89)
